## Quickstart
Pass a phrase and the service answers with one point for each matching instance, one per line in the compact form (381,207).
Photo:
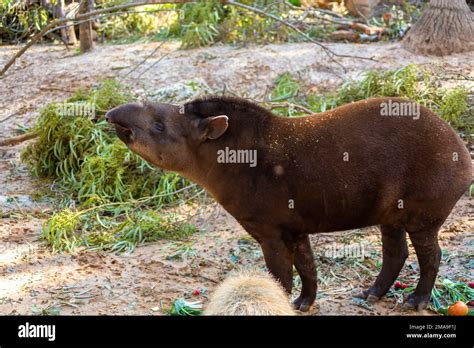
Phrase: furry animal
(249,292)
(381,161)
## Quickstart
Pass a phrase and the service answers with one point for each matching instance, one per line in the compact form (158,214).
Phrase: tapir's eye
(158,126)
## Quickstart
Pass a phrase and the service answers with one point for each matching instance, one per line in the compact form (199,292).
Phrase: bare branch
(144,60)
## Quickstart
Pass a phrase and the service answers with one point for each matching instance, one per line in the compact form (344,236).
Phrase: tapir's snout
(108,116)
(112,115)
(124,117)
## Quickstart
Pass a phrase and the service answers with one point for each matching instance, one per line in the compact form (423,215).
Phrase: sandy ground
(32,280)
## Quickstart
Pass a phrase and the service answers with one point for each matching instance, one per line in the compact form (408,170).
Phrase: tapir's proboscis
(350,167)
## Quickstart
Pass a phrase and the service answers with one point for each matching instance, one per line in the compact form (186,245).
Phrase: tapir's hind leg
(395,252)
(304,263)
(428,252)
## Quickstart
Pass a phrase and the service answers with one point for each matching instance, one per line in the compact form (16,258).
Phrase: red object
(197,292)
(471,303)
(471,285)
(401,286)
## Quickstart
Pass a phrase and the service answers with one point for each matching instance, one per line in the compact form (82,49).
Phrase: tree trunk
(85,29)
(58,10)
(68,34)
(445,27)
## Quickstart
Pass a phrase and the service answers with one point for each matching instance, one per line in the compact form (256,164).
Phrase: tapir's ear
(213,127)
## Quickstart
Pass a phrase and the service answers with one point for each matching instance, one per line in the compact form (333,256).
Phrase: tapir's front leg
(279,260)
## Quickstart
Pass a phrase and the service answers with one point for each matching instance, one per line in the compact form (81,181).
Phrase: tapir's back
(355,165)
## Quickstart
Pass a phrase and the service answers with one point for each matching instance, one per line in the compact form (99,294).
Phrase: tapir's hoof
(372,299)
(362,294)
(414,302)
(303,303)
(368,296)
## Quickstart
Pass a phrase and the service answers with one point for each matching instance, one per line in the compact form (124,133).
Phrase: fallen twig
(18,139)
(8,117)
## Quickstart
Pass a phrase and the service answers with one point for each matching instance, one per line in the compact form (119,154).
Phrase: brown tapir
(361,164)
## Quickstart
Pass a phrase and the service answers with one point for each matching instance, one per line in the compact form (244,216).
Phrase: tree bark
(58,10)
(445,27)
(68,34)
(85,29)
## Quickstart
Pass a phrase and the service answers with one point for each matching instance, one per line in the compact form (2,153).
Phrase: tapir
(383,161)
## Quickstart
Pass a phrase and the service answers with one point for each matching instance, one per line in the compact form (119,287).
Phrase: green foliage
(285,88)
(48,310)
(181,307)
(181,251)
(138,24)
(447,292)
(18,20)
(114,186)
(60,230)
(207,22)
(381,83)
(113,227)
(197,23)
(242,26)
(64,141)
(453,106)
(408,82)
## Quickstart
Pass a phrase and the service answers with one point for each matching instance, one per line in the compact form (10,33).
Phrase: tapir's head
(163,134)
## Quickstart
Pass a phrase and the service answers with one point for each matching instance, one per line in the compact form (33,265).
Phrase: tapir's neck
(228,162)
